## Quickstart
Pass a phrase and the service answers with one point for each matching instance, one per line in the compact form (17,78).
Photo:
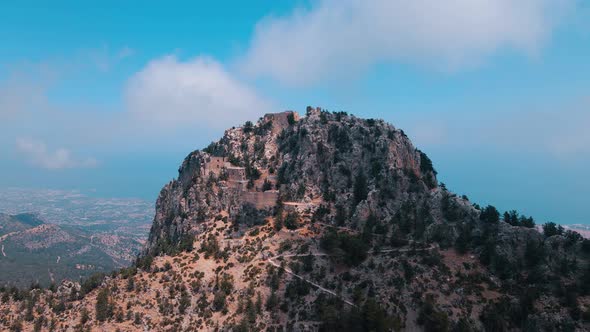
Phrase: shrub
(219,301)
(248,126)
(292,220)
(92,282)
(267,185)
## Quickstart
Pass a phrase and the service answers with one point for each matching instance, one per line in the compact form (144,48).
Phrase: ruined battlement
(281,120)
(236,173)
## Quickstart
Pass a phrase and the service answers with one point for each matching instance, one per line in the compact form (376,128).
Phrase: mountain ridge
(35,252)
(326,222)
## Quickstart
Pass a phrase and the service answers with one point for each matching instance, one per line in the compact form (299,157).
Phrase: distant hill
(35,252)
(19,222)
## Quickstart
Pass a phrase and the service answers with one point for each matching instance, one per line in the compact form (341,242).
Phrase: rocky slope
(325,222)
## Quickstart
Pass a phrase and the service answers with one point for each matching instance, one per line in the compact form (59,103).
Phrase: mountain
(325,222)
(16,223)
(35,252)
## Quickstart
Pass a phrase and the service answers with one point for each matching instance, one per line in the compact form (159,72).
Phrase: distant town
(122,216)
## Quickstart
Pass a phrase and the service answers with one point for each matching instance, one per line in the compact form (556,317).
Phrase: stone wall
(214,164)
(280,120)
(261,200)
(236,173)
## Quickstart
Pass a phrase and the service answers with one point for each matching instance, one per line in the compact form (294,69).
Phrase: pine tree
(360,190)
(104,309)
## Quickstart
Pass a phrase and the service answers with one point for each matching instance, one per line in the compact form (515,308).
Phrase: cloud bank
(37,154)
(197,92)
(335,36)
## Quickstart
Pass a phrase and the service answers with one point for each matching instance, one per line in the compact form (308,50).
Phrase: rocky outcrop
(365,167)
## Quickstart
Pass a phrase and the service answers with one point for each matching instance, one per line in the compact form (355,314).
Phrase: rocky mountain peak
(327,222)
(341,163)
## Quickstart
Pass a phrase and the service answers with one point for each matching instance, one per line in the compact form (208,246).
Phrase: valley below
(47,236)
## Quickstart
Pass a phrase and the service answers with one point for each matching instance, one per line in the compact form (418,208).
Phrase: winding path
(3,253)
(431,247)
(325,290)
(288,270)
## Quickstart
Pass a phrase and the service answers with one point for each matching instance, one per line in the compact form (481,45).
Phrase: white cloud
(344,36)
(39,155)
(168,103)
(197,92)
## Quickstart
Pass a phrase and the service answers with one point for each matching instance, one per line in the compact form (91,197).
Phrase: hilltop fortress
(262,192)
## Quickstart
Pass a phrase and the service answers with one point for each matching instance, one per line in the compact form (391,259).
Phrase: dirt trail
(431,247)
(3,253)
(288,270)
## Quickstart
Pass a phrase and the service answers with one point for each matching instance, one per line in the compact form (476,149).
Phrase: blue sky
(113,96)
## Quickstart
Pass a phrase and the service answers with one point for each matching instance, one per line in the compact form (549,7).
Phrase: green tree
(29,311)
(527,222)
(551,229)
(462,242)
(84,316)
(360,190)
(184,302)
(104,308)
(432,319)
(291,119)
(272,301)
(375,318)
(267,185)
(585,281)
(130,284)
(490,214)
(340,217)
(251,313)
(219,301)
(292,220)
(355,249)
(308,263)
(534,253)
(248,126)
(38,324)
(279,221)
